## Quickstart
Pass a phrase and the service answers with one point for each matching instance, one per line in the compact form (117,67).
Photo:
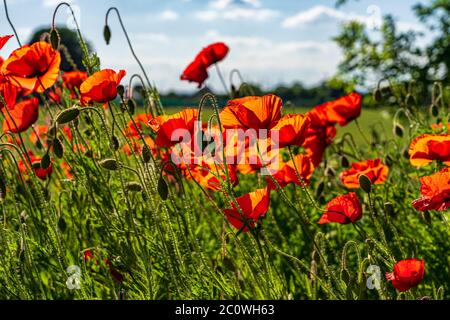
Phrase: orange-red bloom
(288,172)
(40,172)
(22,116)
(291,130)
(428,147)
(4,40)
(166,125)
(101,87)
(33,67)
(72,80)
(196,71)
(373,169)
(407,274)
(435,192)
(207,175)
(343,209)
(142,119)
(253,206)
(252,112)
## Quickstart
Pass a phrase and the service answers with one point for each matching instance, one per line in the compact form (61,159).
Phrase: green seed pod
(377,95)
(45,161)
(146,154)
(434,110)
(133,186)
(120,90)
(398,130)
(365,183)
(329,171)
(68,115)
(58,148)
(62,225)
(131,106)
(114,143)
(344,162)
(320,189)
(107,34)
(38,144)
(163,189)
(52,131)
(109,164)
(388,160)
(406,153)
(54,39)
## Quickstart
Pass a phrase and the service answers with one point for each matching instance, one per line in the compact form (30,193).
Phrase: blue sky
(271,41)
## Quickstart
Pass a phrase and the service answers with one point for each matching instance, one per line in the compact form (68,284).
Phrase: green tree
(71,51)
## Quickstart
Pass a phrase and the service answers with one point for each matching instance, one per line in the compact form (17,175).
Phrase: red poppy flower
(101,87)
(41,173)
(22,116)
(373,169)
(141,119)
(207,175)
(288,174)
(196,71)
(340,111)
(343,209)
(253,206)
(252,112)
(165,126)
(407,274)
(33,67)
(317,138)
(72,80)
(428,147)
(291,130)
(4,40)
(89,257)
(8,91)
(435,192)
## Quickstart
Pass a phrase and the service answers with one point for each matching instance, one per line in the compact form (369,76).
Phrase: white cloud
(169,15)
(54,3)
(235,10)
(312,15)
(224,4)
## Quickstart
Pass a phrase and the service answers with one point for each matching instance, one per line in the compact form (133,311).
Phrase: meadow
(94,206)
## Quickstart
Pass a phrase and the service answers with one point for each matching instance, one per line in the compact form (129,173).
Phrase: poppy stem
(219,73)
(11,24)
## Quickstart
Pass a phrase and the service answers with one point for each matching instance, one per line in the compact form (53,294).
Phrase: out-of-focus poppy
(90,257)
(435,192)
(4,40)
(373,169)
(137,145)
(207,175)
(343,209)
(290,130)
(317,138)
(133,130)
(101,87)
(171,129)
(288,172)
(428,147)
(35,165)
(55,95)
(196,71)
(440,126)
(72,80)
(33,67)
(252,112)
(253,206)
(67,170)
(8,91)
(39,133)
(407,274)
(340,111)
(22,116)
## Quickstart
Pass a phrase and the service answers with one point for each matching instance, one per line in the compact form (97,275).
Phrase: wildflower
(252,112)
(4,40)
(373,169)
(72,80)
(101,87)
(343,209)
(22,116)
(407,274)
(40,172)
(180,124)
(253,206)
(196,71)
(133,130)
(291,130)
(288,172)
(435,192)
(428,147)
(33,67)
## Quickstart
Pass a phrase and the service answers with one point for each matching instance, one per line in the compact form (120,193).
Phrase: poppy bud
(114,143)
(365,183)
(344,162)
(434,110)
(146,154)
(406,154)
(388,160)
(133,186)
(163,190)
(38,144)
(398,130)
(131,106)
(389,209)
(52,131)
(109,164)
(330,172)
(120,90)
(427,217)
(62,225)
(58,148)
(107,34)
(45,161)
(377,95)
(67,115)
(320,188)
(55,39)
